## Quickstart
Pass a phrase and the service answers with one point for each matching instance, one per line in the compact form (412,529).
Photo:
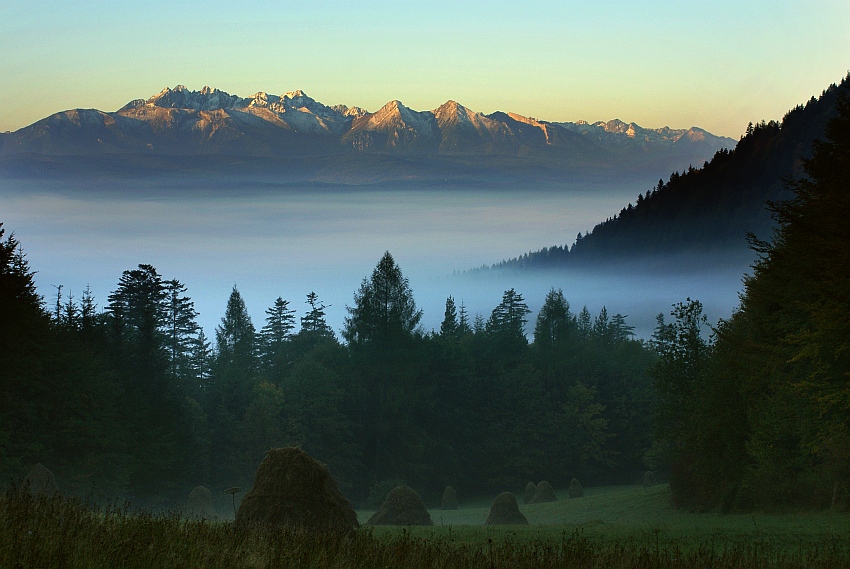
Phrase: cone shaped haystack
(295,490)
(449,501)
(576,489)
(199,504)
(528,494)
(505,511)
(403,507)
(40,480)
(544,493)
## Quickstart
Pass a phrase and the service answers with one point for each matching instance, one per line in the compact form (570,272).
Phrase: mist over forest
(730,386)
(290,241)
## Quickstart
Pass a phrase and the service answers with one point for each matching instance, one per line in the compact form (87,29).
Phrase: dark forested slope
(707,209)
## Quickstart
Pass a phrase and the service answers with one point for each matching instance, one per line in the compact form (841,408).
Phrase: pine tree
(280,321)
(601,326)
(506,325)
(555,323)
(619,330)
(463,326)
(236,336)
(314,322)
(235,362)
(181,327)
(384,311)
(449,327)
(585,324)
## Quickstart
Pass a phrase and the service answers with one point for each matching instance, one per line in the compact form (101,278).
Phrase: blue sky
(717,65)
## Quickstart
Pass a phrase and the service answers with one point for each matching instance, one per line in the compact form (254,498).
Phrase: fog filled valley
(247,257)
(289,241)
(204,371)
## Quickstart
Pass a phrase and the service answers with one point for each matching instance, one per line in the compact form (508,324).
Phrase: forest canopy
(143,405)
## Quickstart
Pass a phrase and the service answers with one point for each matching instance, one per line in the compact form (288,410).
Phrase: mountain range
(213,129)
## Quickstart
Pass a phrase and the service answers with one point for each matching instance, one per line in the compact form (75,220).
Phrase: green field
(612,527)
(636,515)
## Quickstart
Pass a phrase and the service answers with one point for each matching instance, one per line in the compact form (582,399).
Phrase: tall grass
(67,532)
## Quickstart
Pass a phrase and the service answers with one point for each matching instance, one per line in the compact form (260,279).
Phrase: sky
(713,64)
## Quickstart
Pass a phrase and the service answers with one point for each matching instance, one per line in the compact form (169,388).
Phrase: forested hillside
(760,416)
(131,399)
(706,209)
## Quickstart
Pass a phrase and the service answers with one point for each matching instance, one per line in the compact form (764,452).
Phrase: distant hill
(700,211)
(179,130)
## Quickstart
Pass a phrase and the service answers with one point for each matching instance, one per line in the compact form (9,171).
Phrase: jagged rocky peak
(207,99)
(353,112)
(695,134)
(391,112)
(453,113)
(615,125)
(451,109)
(297,94)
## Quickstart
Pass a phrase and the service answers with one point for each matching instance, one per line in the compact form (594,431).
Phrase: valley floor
(612,528)
(636,515)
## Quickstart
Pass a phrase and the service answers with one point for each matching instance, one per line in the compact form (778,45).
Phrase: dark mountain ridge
(707,211)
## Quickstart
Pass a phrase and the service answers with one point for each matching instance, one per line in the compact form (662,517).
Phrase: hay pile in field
(199,504)
(40,480)
(528,494)
(449,501)
(505,511)
(543,493)
(293,489)
(403,507)
(576,490)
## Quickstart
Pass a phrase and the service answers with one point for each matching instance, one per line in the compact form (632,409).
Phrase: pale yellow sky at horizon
(717,65)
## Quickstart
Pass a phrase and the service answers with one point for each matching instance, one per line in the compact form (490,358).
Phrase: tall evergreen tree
(384,311)
(509,318)
(601,326)
(23,329)
(554,323)
(619,330)
(449,327)
(280,321)
(463,326)
(313,322)
(235,359)
(584,322)
(181,328)
(138,315)
(236,335)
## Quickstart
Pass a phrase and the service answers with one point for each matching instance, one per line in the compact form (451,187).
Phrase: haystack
(544,493)
(293,489)
(528,494)
(403,507)
(505,511)
(41,481)
(449,501)
(199,504)
(576,490)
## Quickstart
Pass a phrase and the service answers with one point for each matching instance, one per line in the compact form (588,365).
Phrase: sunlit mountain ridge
(210,122)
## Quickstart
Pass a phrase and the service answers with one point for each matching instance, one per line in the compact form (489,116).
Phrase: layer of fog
(290,241)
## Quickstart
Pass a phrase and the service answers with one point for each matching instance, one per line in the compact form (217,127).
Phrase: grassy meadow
(610,527)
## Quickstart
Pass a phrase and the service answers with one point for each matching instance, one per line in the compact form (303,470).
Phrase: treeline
(131,399)
(706,209)
(760,416)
